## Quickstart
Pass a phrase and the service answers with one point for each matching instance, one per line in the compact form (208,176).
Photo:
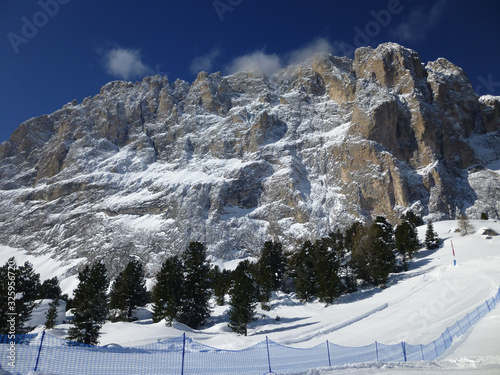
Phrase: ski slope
(416,307)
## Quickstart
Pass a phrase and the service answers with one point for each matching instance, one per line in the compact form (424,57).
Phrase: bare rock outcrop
(143,168)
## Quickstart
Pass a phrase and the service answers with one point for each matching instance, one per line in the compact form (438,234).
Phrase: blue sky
(54,51)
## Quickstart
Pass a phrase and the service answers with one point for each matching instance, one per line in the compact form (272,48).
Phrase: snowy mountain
(143,169)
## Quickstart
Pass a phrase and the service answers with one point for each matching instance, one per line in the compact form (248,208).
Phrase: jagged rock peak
(143,168)
(391,65)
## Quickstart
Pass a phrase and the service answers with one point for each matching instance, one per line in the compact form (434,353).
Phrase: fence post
(436,348)
(328,349)
(444,341)
(459,326)
(422,350)
(376,349)
(487,304)
(39,351)
(403,345)
(183,352)
(268,355)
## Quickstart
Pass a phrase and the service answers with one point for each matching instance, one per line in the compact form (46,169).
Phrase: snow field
(417,307)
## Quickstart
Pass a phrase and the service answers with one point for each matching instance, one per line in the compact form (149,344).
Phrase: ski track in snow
(327,329)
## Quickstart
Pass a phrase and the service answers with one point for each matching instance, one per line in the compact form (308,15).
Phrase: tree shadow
(284,321)
(421,259)
(362,293)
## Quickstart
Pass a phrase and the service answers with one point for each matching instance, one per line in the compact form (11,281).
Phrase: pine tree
(90,304)
(484,216)
(221,282)
(350,235)
(383,250)
(271,269)
(168,290)
(372,255)
(27,285)
(431,237)
(360,258)
(52,314)
(406,240)
(383,262)
(129,290)
(195,307)
(244,294)
(304,272)
(327,254)
(348,278)
(385,232)
(413,219)
(349,268)
(7,289)
(316,268)
(465,225)
(50,289)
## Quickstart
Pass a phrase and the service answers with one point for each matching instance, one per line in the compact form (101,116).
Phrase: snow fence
(183,356)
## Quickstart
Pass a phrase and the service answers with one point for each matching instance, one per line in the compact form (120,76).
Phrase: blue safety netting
(183,356)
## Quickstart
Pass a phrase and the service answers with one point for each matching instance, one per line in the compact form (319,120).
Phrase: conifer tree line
(184,285)
(20,288)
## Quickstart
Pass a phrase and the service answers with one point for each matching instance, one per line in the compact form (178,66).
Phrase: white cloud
(271,63)
(205,62)
(320,45)
(419,23)
(256,61)
(125,63)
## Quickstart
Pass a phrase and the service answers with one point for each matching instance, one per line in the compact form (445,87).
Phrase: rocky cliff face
(142,169)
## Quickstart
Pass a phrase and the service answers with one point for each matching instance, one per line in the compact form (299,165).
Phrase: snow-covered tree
(431,237)
(414,219)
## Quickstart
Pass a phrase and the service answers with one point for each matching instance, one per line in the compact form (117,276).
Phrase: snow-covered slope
(416,308)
